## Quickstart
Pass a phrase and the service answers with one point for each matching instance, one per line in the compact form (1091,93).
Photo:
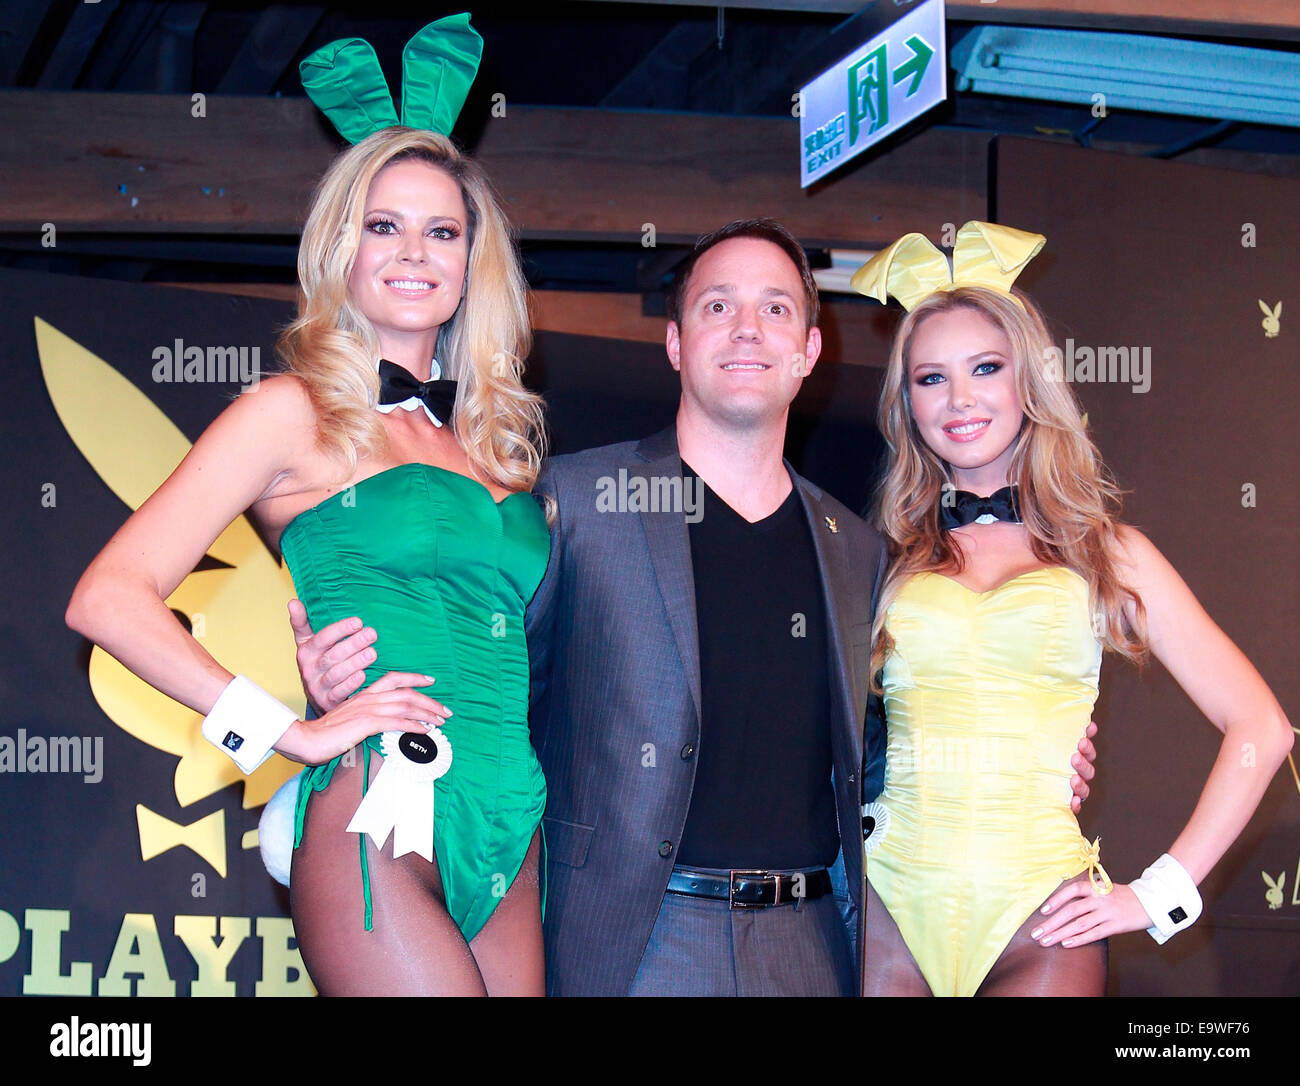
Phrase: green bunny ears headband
(345,80)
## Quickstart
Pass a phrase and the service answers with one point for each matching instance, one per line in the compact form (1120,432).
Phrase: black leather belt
(751,889)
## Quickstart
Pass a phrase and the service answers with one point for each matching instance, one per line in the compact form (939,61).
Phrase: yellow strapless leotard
(986,697)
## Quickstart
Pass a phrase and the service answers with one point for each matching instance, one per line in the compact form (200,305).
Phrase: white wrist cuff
(1169,896)
(246,722)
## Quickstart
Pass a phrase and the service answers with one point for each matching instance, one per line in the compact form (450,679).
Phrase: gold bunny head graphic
(1272,321)
(238,611)
(1273,895)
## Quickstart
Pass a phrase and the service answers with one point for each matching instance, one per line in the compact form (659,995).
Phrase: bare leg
(415,947)
(1027,969)
(891,969)
(508,949)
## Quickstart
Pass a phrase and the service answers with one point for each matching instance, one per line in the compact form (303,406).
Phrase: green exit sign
(875,90)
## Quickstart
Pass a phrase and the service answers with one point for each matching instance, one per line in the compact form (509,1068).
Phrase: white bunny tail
(275,830)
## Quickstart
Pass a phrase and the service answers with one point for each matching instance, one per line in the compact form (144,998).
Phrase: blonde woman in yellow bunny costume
(1010,574)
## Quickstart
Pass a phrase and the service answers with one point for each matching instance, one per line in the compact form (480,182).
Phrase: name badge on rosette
(400,799)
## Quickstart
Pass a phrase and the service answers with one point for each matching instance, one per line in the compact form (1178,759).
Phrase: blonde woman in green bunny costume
(393,463)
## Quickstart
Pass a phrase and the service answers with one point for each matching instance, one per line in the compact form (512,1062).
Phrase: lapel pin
(830,523)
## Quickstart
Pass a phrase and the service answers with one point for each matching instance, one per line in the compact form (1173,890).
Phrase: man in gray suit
(700,647)
(701,667)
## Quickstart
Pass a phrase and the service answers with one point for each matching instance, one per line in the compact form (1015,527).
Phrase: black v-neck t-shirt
(762,797)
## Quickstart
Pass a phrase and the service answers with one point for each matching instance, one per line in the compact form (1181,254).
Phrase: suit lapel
(668,537)
(828,544)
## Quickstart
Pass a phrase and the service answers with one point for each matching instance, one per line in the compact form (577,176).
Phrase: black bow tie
(965,507)
(397,384)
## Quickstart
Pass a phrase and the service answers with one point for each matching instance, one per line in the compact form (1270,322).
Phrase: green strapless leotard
(443,574)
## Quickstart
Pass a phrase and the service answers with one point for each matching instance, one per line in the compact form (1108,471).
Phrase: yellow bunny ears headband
(986,255)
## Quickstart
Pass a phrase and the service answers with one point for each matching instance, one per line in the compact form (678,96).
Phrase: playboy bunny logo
(133,447)
(1273,895)
(1272,321)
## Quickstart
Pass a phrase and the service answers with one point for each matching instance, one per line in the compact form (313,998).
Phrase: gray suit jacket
(616,703)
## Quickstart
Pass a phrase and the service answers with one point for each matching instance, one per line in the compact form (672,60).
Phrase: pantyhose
(1023,969)
(415,947)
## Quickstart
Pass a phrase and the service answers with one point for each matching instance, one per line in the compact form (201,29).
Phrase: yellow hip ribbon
(1101,883)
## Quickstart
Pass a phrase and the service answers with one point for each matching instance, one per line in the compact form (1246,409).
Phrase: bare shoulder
(1150,574)
(280,400)
(274,418)
(266,435)
(1134,546)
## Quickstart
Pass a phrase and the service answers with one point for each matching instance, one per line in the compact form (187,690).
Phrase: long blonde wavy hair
(333,348)
(1068,500)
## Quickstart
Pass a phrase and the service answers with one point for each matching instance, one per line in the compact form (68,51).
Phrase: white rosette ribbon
(880,814)
(400,798)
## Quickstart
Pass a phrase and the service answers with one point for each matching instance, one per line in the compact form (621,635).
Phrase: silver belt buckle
(732,903)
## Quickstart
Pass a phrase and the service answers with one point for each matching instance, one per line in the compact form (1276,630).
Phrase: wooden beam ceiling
(136,163)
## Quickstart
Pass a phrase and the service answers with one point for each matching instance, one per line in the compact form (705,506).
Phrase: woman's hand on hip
(1077,914)
(376,709)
